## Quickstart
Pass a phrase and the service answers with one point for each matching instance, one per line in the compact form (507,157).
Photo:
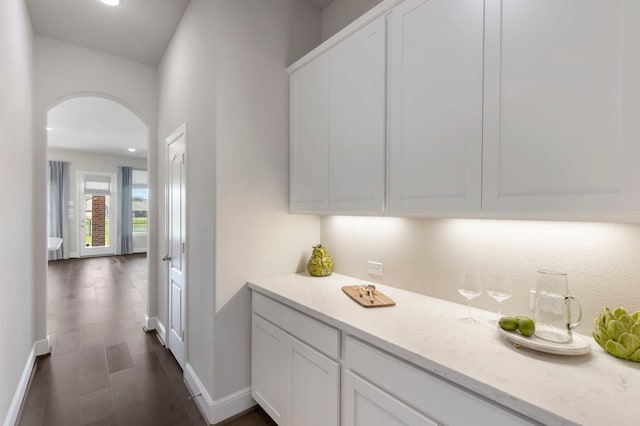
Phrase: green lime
(508,323)
(526,326)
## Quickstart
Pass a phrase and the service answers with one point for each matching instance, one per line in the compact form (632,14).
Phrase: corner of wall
(216,411)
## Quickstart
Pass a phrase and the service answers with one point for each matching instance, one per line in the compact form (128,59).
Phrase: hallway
(104,370)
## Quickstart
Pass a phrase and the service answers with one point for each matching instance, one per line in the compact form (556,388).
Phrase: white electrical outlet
(375,268)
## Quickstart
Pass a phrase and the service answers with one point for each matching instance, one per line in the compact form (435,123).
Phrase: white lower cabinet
(399,389)
(301,377)
(367,405)
(313,386)
(292,378)
(268,364)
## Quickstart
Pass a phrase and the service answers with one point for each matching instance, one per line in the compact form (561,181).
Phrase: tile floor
(104,369)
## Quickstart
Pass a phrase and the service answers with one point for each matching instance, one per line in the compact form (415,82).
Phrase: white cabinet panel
(357,114)
(367,405)
(309,139)
(316,334)
(293,382)
(435,150)
(562,101)
(442,401)
(268,364)
(313,386)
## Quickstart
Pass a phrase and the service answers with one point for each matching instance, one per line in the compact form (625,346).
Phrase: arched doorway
(103,139)
(104,145)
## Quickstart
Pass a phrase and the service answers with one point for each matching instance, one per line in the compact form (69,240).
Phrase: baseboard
(40,347)
(74,255)
(233,404)
(203,400)
(162,333)
(221,409)
(150,323)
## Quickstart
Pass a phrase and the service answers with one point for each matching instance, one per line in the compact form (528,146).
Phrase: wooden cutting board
(359,294)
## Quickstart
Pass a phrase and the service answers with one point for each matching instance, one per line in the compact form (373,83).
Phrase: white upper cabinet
(435,147)
(309,137)
(338,125)
(562,106)
(494,108)
(357,114)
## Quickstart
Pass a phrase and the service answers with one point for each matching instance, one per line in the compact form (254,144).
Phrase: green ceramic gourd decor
(320,263)
(618,333)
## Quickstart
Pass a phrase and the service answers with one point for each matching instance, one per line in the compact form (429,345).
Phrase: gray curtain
(126,212)
(57,223)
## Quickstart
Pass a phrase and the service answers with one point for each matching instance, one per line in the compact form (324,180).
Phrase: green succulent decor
(320,264)
(618,333)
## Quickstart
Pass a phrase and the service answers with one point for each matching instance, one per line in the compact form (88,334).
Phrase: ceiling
(97,125)
(139,30)
(320,4)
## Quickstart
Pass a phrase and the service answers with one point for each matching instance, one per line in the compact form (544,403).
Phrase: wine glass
(500,288)
(470,286)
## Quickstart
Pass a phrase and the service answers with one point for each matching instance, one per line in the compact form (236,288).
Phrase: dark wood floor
(104,369)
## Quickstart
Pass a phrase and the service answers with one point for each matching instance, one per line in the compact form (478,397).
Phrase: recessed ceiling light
(49,128)
(111,2)
(131,150)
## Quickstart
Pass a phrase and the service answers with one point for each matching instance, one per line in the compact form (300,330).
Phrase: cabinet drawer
(440,400)
(320,336)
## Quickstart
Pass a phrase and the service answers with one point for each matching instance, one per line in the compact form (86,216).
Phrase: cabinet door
(313,386)
(562,101)
(367,405)
(435,150)
(357,121)
(309,139)
(428,394)
(268,364)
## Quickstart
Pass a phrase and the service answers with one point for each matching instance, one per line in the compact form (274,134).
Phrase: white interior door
(98,213)
(175,258)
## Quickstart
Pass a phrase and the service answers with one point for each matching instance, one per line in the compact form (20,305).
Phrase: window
(140,202)
(97,191)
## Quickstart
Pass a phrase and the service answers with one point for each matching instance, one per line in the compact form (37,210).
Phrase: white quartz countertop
(592,389)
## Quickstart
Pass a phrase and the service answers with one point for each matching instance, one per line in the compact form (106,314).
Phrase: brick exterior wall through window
(97,220)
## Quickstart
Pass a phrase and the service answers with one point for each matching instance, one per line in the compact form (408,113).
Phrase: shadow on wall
(232,327)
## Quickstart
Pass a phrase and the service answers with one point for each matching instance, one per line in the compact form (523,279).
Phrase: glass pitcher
(552,313)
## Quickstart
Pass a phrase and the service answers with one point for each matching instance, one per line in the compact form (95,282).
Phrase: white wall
(62,70)
(427,256)
(186,95)
(340,13)
(255,236)
(87,162)
(224,76)
(16,185)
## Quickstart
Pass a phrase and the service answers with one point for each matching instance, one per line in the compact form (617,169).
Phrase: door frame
(114,219)
(175,135)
